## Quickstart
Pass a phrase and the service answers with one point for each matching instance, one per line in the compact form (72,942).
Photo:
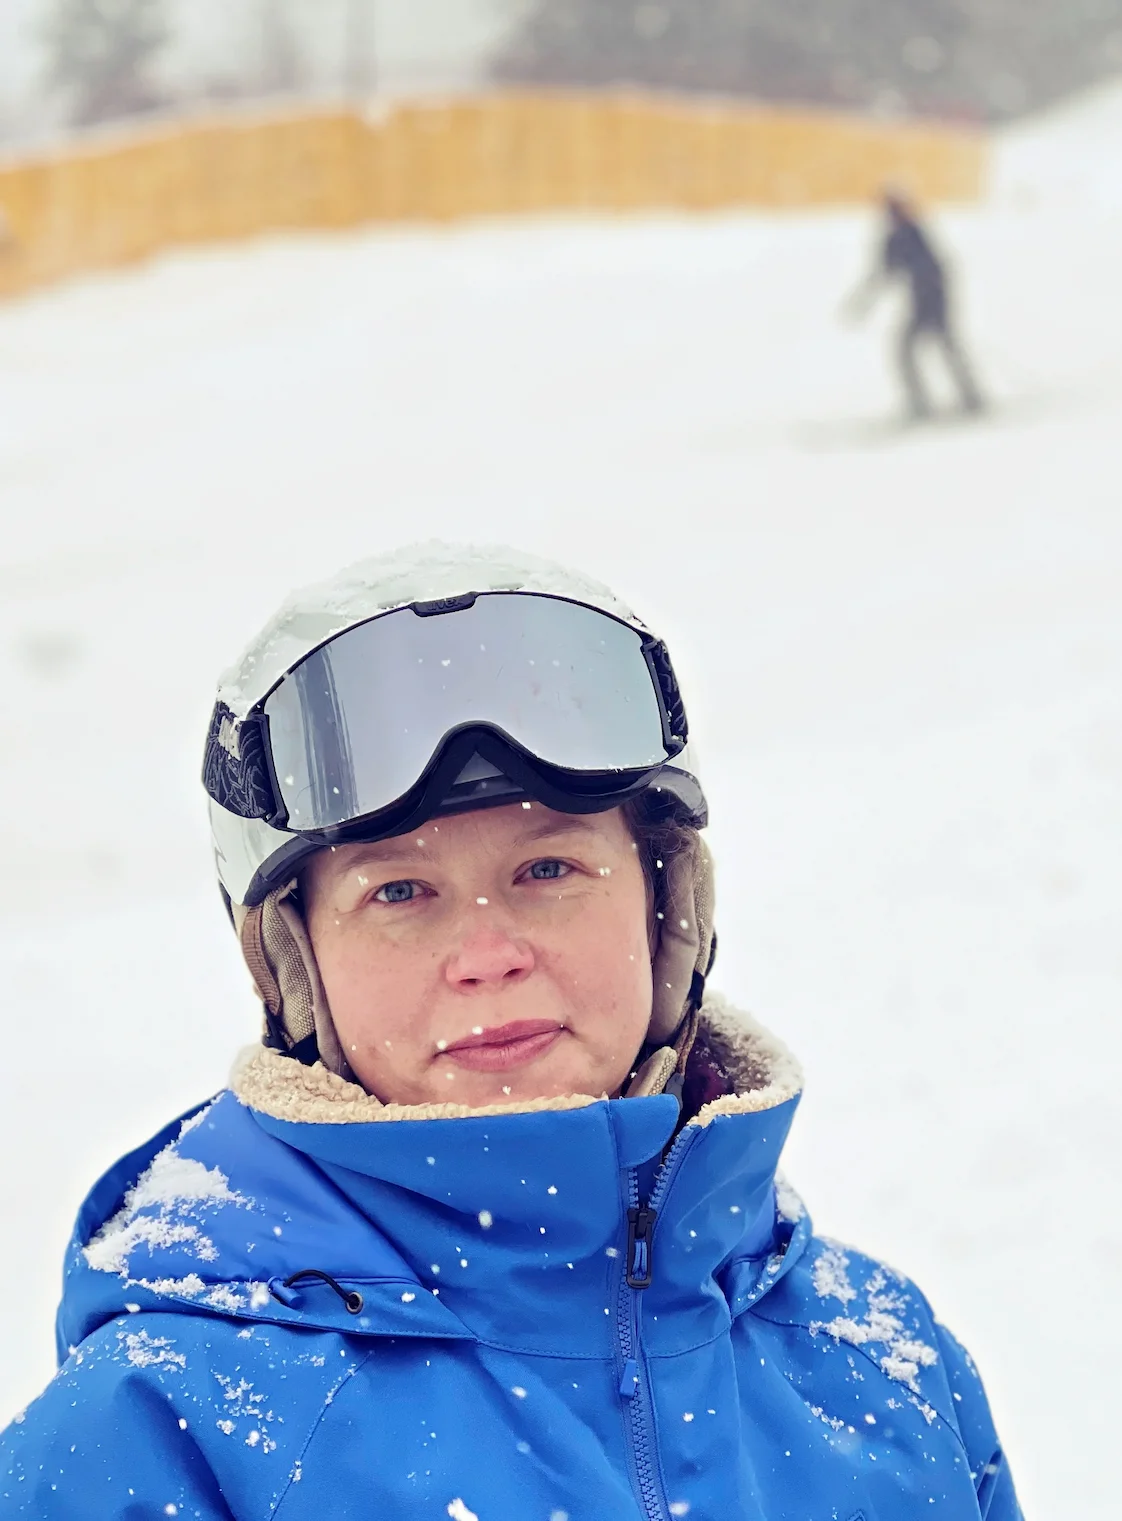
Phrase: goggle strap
(658,658)
(236,771)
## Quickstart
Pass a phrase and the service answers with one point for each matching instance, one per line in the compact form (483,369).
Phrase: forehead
(484,829)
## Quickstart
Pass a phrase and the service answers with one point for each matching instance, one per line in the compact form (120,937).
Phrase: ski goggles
(452,704)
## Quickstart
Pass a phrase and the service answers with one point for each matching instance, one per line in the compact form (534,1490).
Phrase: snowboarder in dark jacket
(907,254)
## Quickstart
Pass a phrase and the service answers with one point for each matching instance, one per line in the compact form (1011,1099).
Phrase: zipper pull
(640,1228)
(629,1383)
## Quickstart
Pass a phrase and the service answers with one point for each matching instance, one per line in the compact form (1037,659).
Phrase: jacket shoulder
(155,1411)
(868,1341)
(839,1294)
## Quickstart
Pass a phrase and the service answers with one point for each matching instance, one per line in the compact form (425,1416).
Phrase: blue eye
(548,871)
(396,892)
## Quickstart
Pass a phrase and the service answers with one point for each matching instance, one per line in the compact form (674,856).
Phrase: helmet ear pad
(686,940)
(278,952)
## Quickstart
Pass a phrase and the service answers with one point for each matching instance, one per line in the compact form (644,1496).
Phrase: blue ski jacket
(569,1314)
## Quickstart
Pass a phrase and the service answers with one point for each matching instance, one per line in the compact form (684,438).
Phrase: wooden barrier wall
(114,200)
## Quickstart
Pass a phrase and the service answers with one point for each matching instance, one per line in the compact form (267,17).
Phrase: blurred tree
(988,58)
(101,55)
(282,61)
(360,64)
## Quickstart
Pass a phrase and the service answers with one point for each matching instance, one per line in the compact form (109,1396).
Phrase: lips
(506,1046)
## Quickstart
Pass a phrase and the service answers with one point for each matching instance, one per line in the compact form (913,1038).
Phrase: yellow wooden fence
(110,201)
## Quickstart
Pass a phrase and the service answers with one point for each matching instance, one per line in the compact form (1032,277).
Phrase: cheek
(608,961)
(374,991)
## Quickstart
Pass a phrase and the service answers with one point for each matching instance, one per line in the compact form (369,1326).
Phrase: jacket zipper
(637,1274)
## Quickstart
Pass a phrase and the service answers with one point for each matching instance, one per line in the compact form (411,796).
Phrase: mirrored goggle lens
(354,726)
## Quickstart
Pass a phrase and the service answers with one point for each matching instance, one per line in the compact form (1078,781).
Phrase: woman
(489,1225)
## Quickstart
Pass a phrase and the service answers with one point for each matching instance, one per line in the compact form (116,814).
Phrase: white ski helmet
(433,680)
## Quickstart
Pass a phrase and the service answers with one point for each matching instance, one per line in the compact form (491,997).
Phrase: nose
(489,958)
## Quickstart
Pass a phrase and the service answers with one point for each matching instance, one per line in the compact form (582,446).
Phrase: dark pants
(937,328)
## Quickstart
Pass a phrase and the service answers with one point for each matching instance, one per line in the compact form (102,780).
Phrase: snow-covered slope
(903,653)
(1069,157)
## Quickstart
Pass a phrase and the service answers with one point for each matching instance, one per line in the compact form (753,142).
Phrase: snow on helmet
(437,679)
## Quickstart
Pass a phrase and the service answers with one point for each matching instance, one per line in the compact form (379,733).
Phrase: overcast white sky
(430,42)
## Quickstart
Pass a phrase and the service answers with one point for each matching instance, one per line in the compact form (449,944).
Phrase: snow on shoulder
(163,1217)
(876,1317)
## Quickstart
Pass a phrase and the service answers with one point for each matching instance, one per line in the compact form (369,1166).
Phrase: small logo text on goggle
(228,738)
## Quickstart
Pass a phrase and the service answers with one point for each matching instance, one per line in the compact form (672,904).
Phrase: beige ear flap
(279,955)
(685,940)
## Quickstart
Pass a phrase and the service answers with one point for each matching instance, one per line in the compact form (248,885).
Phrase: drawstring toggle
(285,1292)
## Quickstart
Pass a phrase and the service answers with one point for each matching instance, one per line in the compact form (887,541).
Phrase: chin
(541,1080)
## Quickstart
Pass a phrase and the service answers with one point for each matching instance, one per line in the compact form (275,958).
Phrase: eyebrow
(380,852)
(576,823)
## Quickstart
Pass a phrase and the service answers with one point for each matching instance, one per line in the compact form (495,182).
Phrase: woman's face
(490,957)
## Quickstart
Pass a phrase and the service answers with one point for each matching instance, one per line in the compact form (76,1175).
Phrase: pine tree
(101,53)
(978,58)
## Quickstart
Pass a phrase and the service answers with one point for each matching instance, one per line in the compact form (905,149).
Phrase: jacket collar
(740,1068)
(506,1227)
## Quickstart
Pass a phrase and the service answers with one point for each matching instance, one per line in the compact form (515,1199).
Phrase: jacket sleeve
(105,1440)
(993,1481)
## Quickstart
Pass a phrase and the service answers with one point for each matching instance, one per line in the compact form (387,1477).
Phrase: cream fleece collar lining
(765,1072)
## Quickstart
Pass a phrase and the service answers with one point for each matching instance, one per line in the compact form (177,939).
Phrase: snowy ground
(903,653)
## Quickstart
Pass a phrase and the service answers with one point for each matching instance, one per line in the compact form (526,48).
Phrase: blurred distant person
(907,254)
